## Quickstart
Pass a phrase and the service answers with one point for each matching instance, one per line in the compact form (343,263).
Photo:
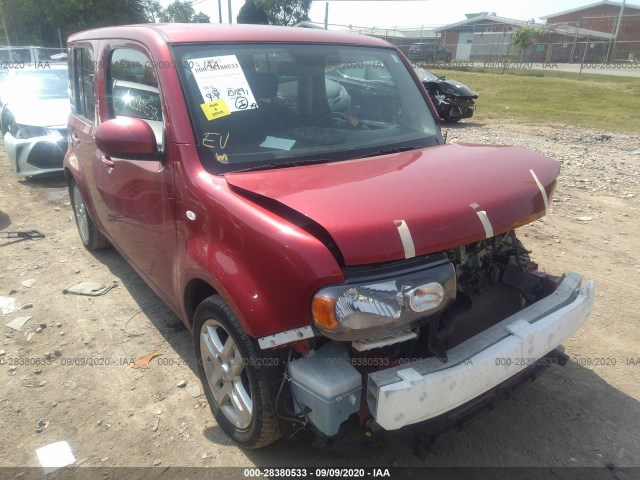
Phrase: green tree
(253,11)
(182,12)
(525,36)
(200,18)
(287,12)
(37,21)
(152,10)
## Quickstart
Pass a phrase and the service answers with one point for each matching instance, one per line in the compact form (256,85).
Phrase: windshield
(41,84)
(426,75)
(272,105)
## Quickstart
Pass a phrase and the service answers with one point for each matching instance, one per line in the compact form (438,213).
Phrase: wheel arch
(195,292)
(68,176)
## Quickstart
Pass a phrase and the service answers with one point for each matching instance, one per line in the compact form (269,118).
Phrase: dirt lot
(584,414)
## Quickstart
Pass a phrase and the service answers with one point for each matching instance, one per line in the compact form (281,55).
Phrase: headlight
(30,131)
(372,309)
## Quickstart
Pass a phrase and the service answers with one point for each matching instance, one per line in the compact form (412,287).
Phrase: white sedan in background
(34,106)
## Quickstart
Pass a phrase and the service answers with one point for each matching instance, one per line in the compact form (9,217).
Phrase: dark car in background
(34,106)
(429,52)
(453,100)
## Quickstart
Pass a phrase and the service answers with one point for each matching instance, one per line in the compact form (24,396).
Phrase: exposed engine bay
(440,301)
(492,279)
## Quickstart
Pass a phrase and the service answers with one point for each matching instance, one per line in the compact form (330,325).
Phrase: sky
(394,13)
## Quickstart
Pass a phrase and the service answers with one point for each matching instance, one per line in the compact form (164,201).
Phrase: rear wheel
(229,370)
(91,237)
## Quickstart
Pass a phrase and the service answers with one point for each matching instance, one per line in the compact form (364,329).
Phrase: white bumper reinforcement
(427,388)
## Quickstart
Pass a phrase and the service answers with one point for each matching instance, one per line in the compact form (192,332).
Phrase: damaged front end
(440,302)
(412,340)
(35,150)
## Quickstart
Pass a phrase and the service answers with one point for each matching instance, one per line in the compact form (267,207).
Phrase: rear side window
(133,89)
(82,81)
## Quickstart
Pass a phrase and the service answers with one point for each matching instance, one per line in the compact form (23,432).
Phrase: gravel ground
(584,414)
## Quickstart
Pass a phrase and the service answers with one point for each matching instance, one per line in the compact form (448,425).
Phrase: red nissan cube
(289,194)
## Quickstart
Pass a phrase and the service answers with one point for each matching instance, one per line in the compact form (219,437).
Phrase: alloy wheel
(82,217)
(226,374)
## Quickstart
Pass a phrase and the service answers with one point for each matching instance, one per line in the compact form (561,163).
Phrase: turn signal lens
(323,310)
(425,297)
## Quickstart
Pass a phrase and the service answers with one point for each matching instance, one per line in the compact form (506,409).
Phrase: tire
(229,370)
(7,121)
(452,118)
(91,237)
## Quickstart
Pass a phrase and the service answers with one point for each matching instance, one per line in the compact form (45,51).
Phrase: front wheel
(229,370)
(7,122)
(452,114)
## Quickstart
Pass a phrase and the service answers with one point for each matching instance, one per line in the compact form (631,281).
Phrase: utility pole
(219,11)
(230,16)
(615,38)
(326,15)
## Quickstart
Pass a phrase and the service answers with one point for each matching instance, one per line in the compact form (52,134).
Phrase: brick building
(485,37)
(465,38)
(603,17)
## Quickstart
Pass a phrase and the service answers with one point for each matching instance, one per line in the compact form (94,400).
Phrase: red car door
(135,198)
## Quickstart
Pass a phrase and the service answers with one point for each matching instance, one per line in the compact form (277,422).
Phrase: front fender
(265,268)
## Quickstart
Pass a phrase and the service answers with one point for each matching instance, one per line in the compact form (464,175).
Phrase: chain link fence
(488,41)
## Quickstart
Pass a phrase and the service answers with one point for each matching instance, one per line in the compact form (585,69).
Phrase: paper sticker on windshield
(215,109)
(222,78)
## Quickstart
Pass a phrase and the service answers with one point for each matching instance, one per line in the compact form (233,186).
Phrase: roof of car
(207,32)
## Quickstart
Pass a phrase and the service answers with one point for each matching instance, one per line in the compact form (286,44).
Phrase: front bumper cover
(36,155)
(427,388)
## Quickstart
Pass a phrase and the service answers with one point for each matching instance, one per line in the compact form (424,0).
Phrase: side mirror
(441,77)
(129,138)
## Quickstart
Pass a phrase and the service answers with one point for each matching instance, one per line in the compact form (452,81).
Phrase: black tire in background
(450,117)
(6,121)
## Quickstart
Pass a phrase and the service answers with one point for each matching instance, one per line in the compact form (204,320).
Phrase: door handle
(74,138)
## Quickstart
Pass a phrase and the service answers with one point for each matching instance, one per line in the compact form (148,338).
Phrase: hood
(41,113)
(453,87)
(414,203)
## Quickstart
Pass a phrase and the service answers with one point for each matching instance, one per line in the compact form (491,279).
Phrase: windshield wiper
(269,166)
(298,163)
(387,151)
